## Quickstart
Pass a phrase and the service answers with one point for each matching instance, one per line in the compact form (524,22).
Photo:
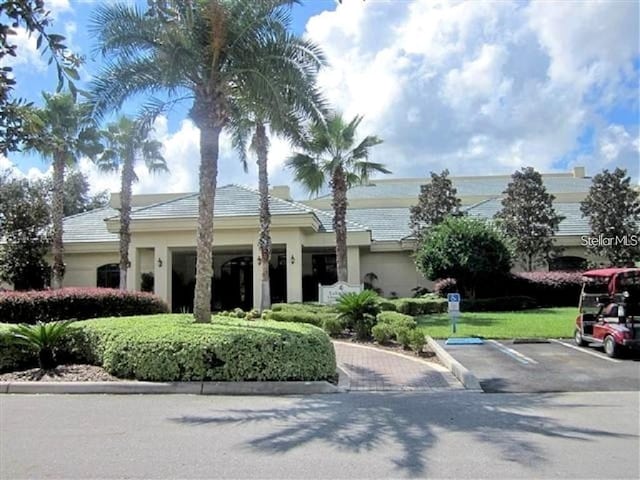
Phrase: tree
(25,229)
(66,132)
(330,155)
(294,97)
(127,143)
(77,198)
(16,114)
(206,52)
(437,200)
(613,209)
(528,216)
(467,249)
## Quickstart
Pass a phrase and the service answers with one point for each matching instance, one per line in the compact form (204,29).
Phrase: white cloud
(26,52)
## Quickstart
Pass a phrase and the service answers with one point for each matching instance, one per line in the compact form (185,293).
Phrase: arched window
(567,264)
(108,276)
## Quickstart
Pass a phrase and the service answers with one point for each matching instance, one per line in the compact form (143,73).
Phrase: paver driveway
(372,369)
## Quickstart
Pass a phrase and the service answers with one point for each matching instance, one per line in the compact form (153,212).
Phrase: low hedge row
(420,306)
(398,326)
(174,348)
(299,316)
(76,303)
(499,304)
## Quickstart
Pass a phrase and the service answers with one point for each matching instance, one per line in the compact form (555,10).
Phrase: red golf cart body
(610,310)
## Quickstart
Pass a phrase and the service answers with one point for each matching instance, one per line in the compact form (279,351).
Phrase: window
(108,276)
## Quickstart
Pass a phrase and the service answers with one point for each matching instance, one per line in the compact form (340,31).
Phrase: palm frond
(307,172)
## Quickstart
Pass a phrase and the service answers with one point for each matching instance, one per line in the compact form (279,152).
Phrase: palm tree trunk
(264,242)
(339,204)
(209,146)
(57,216)
(125,217)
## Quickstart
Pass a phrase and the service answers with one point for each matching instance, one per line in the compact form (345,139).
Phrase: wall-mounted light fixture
(159,262)
(293,259)
(259,260)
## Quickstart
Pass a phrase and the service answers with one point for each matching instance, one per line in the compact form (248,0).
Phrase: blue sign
(453,298)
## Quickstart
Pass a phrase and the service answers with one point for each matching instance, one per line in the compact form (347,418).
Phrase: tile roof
(481,186)
(89,227)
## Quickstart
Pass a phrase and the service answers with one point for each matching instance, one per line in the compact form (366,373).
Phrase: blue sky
(475,87)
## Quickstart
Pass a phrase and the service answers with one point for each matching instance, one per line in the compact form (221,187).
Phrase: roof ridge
(93,210)
(166,202)
(482,202)
(326,213)
(302,206)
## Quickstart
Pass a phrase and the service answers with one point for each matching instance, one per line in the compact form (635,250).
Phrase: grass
(540,323)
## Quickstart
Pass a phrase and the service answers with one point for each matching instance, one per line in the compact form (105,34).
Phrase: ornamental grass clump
(358,311)
(43,337)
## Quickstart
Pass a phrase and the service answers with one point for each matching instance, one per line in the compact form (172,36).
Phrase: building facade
(380,246)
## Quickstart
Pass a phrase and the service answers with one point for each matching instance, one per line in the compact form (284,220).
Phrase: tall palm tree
(203,51)
(294,98)
(126,143)
(331,156)
(65,132)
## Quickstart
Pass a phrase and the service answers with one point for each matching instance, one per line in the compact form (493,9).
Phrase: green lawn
(540,323)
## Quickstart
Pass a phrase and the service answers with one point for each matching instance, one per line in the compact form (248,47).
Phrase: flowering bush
(76,303)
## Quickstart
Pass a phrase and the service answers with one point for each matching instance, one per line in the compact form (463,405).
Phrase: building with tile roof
(163,228)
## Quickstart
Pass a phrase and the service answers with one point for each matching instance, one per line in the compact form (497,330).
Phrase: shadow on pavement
(408,422)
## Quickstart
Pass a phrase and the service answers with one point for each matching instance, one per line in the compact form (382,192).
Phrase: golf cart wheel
(611,348)
(577,338)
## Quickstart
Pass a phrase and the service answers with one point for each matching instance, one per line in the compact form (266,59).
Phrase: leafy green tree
(218,54)
(77,196)
(528,217)
(467,249)
(613,209)
(437,200)
(25,229)
(330,155)
(65,132)
(16,114)
(127,143)
(294,98)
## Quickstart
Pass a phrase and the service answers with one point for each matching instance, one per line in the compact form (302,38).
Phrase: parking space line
(512,353)
(584,350)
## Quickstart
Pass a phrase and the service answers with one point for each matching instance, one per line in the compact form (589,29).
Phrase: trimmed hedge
(174,348)
(387,305)
(304,307)
(499,304)
(396,319)
(420,306)
(300,316)
(76,303)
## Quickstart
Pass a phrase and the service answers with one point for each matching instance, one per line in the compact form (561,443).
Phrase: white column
(257,277)
(162,267)
(353,265)
(294,270)
(133,272)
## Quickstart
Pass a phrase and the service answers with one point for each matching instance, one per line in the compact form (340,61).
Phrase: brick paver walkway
(374,369)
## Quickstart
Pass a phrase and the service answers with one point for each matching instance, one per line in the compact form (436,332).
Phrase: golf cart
(610,310)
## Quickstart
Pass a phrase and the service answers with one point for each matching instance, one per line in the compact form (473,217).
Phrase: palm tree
(204,51)
(331,156)
(126,143)
(64,133)
(293,98)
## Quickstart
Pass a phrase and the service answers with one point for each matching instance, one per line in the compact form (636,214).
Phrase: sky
(475,87)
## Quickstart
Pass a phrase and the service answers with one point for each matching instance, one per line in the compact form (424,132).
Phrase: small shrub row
(299,316)
(76,303)
(499,304)
(421,306)
(399,326)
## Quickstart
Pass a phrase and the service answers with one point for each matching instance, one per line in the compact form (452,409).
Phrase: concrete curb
(193,388)
(344,379)
(468,379)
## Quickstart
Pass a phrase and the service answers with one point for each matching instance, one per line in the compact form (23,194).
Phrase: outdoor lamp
(293,259)
(159,262)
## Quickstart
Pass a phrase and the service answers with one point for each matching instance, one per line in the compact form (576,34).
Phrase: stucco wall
(81,267)
(395,270)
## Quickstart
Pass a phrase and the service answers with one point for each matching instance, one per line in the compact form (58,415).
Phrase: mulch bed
(62,373)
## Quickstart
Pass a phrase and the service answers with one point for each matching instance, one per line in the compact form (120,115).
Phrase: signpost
(453,301)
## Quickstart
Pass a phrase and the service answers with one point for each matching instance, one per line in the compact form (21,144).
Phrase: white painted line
(584,350)
(513,353)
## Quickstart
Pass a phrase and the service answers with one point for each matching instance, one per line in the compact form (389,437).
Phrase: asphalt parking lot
(558,366)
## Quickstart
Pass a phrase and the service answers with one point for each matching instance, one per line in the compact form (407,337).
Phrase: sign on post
(453,304)
(329,294)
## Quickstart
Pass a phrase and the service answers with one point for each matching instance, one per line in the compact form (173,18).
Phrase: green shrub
(300,316)
(43,338)
(499,304)
(333,325)
(387,305)
(76,303)
(382,332)
(397,319)
(403,336)
(174,348)
(359,311)
(305,307)
(421,306)
(14,356)
(416,340)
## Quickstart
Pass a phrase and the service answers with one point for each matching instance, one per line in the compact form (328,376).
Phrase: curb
(468,379)
(192,388)
(344,379)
